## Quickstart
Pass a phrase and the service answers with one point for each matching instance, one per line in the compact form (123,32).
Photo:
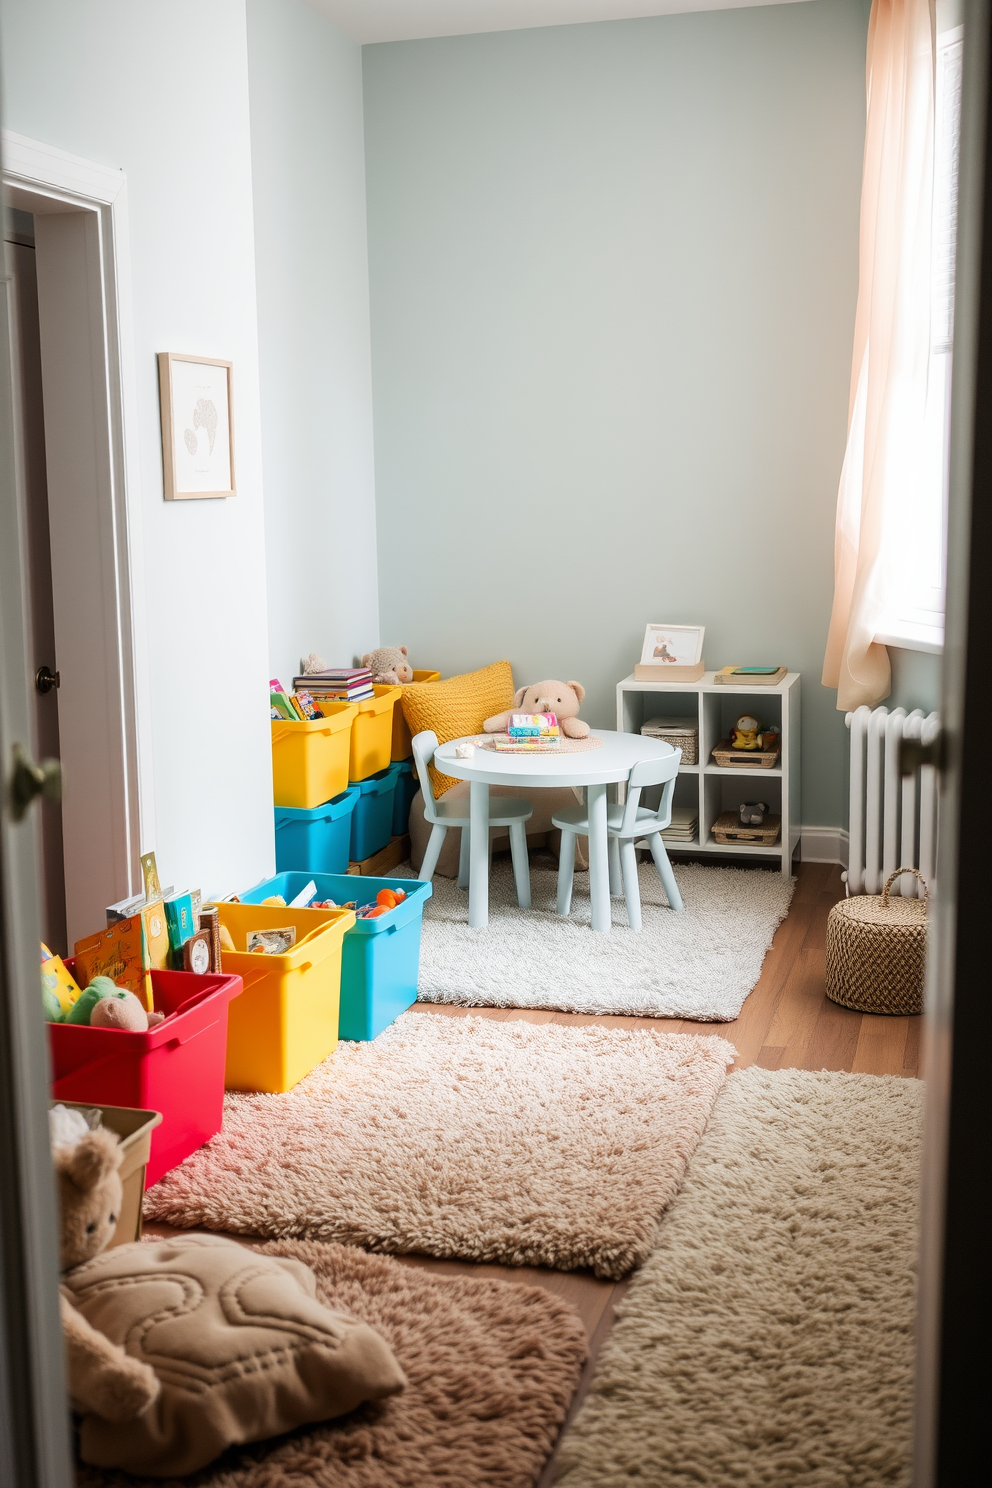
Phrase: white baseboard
(824,845)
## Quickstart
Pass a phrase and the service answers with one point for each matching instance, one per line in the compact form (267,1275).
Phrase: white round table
(593,768)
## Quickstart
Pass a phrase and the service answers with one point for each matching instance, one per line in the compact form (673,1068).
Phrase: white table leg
(616,876)
(599,868)
(478,879)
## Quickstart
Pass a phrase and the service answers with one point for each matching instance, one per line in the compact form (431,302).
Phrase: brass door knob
(29,780)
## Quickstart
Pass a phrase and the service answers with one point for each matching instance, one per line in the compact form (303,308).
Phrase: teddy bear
(102,1377)
(243,1346)
(563,699)
(389,665)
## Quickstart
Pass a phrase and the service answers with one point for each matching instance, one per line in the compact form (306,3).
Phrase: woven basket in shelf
(685,738)
(877,951)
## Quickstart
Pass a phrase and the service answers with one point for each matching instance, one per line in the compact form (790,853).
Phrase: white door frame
(47,181)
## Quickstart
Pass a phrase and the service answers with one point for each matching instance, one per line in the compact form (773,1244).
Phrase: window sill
(908,635)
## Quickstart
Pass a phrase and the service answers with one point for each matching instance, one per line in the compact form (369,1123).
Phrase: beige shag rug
(491,1141)
(700,963)
(768,1341)
(492,1368)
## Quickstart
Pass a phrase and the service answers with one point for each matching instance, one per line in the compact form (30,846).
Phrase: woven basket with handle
(877,950)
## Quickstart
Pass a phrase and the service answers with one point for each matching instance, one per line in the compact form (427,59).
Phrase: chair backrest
(424,745)
(651,772)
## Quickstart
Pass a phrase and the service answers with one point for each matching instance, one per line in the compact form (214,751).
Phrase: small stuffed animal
(104,1005)
(561,698)
(102,1377)
(389,665)
(745,733)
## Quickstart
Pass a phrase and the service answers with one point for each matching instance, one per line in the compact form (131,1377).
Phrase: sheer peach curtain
(891,342)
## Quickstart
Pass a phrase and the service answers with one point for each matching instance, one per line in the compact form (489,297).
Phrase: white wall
(313,319)
(160,90)
(614,273)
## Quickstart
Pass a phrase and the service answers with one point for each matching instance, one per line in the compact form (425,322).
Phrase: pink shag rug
(465,1137)
(491,1366)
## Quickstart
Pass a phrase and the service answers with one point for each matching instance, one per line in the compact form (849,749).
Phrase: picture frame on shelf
(671,653)
(197,427)
(672,645)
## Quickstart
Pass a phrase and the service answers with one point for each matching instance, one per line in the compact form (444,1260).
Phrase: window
(917,546)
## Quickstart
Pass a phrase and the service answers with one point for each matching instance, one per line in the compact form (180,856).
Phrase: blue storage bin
(380,958)
(407,786)
(318,840)
(372,818)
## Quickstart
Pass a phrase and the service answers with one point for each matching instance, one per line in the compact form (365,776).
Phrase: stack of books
(751,676)
(529,733)
(338,684)
(684,826)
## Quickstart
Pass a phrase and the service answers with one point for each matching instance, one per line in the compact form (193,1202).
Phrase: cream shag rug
(491,1369)
(768,1341)
(701,963)
(492,1141)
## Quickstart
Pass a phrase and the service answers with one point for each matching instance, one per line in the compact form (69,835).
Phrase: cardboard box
(135,1131)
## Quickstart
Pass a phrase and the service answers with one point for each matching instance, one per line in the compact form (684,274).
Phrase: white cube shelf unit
(715,788)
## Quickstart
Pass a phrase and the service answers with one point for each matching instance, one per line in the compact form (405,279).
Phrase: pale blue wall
(613,278)
(308,170)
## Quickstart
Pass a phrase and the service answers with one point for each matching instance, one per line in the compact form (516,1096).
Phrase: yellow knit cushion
(457,706)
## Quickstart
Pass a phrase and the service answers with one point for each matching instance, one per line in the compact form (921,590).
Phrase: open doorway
(62,225)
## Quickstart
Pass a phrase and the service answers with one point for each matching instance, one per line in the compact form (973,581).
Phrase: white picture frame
(197,427)
(672,645)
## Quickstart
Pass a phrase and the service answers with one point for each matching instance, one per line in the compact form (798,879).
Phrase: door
(953,1375)
(34,1426)
(29,453)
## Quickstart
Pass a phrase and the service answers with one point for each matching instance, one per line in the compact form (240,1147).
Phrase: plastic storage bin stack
(310,761)
(402,748)
(317,840)
(176,1068)
(286,1020)
(372,817)
(381,959)
(407,786)
(371,734)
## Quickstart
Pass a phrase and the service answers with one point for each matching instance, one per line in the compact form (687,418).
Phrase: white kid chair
(626,824)
(504,811)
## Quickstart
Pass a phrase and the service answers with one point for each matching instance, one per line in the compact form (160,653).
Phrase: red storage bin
(176,1068)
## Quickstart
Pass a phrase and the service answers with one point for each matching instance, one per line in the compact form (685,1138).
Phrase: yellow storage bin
(402,746)
(286,1019)
(310,760)
(372,734)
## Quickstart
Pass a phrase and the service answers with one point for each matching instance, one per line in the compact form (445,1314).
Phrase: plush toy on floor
(178,1349)
(389,665)
(561,698)
(102,1377)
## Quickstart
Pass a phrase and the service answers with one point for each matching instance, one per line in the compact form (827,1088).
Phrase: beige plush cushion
(242,1348)
(544,801)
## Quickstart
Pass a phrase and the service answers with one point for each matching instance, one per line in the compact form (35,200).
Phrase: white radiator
(893,817)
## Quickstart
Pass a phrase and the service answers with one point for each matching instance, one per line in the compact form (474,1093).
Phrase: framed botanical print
(197,426)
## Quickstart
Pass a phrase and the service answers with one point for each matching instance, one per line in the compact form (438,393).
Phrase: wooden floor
(786,1023)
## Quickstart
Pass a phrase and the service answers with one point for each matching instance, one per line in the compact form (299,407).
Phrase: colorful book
(182,921)
(751,676)
(115,952)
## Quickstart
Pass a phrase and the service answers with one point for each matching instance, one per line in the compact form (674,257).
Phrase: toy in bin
(101,1004)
